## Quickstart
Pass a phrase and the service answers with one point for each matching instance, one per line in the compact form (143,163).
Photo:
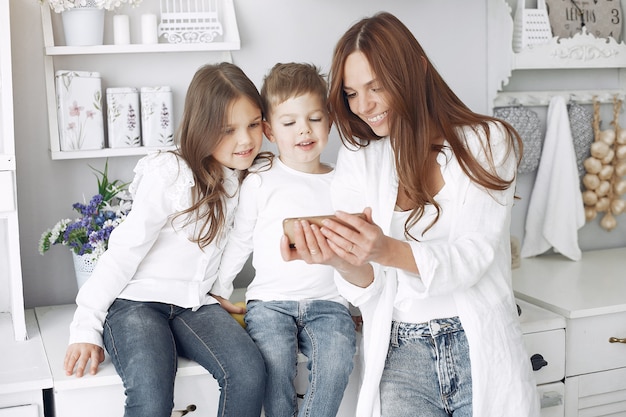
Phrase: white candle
(149,29)
(121,29)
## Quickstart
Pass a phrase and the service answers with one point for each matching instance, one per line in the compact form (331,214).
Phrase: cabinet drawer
(596,394)
(552,399)
(588,347)
(549,345)
(108,400)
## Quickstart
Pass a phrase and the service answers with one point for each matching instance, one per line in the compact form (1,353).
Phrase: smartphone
(317,220)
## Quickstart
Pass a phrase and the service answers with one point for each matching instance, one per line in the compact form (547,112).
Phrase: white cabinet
(132,60)
(24,372)
(103,393)
(544,338)
(11,296)
(591,295)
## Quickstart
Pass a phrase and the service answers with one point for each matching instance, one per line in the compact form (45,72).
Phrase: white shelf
(105,153)
(138,49)
(581,51)
(542,98)
(220,51)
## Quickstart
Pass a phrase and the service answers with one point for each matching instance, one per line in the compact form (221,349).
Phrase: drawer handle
(179,413)
(616,340)
(538,362)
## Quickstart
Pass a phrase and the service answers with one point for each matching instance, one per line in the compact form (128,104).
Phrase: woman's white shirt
(472,263)
(151,256)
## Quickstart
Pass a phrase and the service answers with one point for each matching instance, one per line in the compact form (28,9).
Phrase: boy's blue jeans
(321,330)
(144,340)
(427,372)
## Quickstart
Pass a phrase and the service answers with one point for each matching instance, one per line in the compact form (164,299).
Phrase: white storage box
(123,117)
(157,128)
(79,109)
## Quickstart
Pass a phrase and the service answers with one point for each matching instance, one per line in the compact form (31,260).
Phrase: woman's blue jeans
(321,330)
(427,372)
(144,340)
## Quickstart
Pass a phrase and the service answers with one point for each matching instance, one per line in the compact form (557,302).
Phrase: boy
(291,306)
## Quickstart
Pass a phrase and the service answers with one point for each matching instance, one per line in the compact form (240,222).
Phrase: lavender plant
(89,233)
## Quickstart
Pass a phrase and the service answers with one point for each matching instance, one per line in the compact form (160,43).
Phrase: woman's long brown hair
(211,93)
(423,108)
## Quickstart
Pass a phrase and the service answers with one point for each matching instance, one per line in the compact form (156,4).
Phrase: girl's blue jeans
(427,372)
(321,330)
(144,340)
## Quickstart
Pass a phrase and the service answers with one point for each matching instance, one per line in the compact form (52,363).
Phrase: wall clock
(602,18)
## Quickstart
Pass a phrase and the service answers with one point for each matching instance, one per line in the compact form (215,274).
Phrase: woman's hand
(79,354)
(312,247)
(365,242)
(361,243)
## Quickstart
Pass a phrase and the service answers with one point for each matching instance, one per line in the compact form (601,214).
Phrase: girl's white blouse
(150,255)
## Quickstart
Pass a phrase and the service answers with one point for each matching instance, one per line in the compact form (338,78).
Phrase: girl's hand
(79,354)
(228,306)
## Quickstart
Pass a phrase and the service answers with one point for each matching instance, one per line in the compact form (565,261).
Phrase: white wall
(270,31)
(453,32)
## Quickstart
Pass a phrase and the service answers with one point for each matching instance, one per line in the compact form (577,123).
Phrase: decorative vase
(83,266)
(83,26)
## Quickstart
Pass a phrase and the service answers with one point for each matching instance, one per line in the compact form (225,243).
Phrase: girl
(147,301)
(431,267)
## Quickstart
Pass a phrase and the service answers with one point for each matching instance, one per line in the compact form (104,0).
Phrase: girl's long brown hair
(211,93)
(423,108)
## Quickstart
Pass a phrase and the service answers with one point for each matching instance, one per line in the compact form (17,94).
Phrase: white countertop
(23,364)
(592,286)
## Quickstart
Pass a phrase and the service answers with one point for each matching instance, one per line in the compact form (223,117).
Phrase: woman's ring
(313,252)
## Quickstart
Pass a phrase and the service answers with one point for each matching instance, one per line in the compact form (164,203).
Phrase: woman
(431,266)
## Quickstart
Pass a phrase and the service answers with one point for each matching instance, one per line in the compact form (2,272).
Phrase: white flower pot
(83,26)
(83,266)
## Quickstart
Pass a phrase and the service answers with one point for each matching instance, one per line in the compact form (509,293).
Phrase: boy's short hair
(289,80)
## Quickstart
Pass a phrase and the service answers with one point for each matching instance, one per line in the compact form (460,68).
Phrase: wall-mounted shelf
(106,153)
(218,51)
(542,98)
(583,50)
(141,49)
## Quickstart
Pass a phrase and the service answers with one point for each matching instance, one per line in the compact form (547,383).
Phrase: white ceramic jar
(156,117)
(123,117)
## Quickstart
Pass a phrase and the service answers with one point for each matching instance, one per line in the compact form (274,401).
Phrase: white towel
(556,210)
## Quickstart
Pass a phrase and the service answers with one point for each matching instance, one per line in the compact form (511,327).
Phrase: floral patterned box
(79,109)
(157,129)
(123,117)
